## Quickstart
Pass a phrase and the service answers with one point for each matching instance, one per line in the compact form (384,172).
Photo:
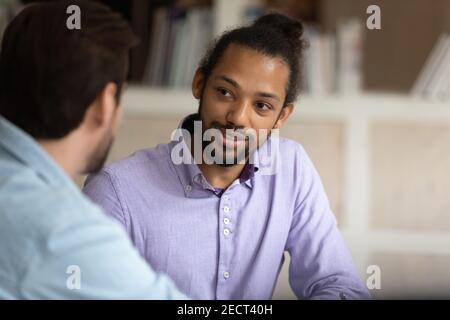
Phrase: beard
(98,158)
(225,155)
(238,154)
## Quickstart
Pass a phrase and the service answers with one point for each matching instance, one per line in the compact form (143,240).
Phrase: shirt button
(226,209)
(226,221)
(226,232)
(226,274)
(188,188)
(226,198)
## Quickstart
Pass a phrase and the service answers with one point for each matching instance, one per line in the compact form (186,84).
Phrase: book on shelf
(178,40)
(349,63)
(332,62)
(433,81)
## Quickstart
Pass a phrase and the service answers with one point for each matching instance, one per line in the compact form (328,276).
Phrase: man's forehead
(236,55)
(247,66)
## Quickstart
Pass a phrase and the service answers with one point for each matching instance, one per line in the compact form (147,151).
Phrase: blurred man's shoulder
(31,209)
(140,160)
(26,197)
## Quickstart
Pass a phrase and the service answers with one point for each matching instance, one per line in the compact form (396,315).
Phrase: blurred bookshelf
(343,56)
(176,34)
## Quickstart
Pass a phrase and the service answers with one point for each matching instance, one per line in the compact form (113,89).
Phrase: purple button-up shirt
(230,244)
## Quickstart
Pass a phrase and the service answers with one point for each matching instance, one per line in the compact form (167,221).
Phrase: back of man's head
(50,74)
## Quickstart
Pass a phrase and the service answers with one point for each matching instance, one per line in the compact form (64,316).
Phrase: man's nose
(238,114)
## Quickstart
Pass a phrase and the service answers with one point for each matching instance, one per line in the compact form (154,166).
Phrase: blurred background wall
(382,153)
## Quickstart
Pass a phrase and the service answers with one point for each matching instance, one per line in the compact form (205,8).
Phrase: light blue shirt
(53,240)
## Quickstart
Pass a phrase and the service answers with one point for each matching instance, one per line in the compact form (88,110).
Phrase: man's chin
(233,160)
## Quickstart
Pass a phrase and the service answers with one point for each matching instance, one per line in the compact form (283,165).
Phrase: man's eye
(263,106)
(224,92)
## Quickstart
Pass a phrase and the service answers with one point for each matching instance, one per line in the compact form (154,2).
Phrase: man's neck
(220,176)
(63,155)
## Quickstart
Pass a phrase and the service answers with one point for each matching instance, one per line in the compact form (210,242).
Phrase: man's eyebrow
(230,81)
(268,95)
(236,85)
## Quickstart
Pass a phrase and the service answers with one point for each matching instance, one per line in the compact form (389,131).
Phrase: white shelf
(147,101)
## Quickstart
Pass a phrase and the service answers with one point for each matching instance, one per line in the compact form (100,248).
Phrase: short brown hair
(49,75)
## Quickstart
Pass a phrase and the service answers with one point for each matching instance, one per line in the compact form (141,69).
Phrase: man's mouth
(233,138)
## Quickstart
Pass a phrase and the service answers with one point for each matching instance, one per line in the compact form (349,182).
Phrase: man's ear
(104,107)
(197,84)
(284,115)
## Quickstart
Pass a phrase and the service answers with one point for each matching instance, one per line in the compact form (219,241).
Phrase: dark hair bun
(291,29)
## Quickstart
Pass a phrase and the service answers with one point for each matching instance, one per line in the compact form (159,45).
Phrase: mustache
(239,131)
(230,131)
(217,125)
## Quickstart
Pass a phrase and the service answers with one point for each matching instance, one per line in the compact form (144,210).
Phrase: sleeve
(93,259)
(321,266)
(100,189)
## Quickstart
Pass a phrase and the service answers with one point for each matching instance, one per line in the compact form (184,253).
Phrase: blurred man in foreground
(59,110)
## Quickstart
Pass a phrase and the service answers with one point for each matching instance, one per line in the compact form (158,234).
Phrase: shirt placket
(226,233)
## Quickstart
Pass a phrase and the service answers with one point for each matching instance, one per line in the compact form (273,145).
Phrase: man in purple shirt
(220,229)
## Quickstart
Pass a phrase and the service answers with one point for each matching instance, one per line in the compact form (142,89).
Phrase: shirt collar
(189,172)
(27,151)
